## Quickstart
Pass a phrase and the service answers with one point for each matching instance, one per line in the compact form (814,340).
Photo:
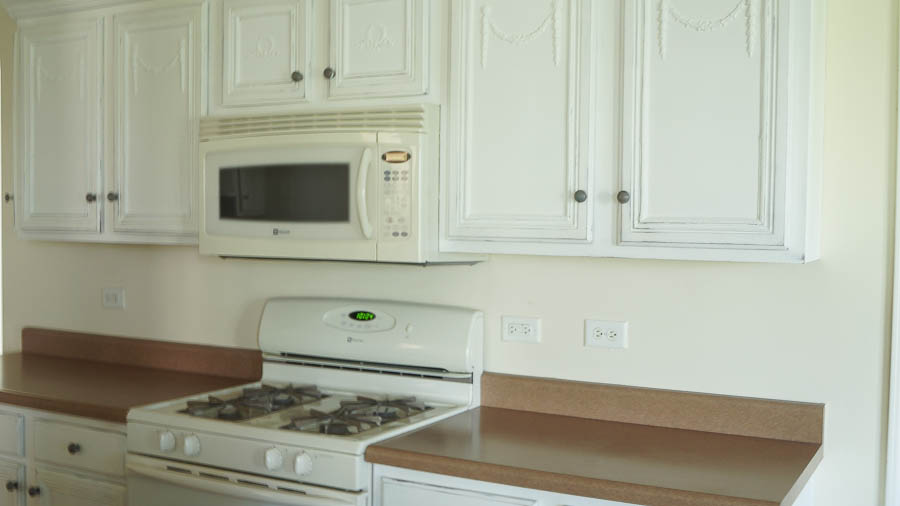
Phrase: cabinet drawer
(11,439)
(406,493)
(80,447)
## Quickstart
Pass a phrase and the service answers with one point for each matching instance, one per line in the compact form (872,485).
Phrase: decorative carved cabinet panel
(378,48)
(265,51)
(519,114)
(157,66)
(714,137)
(59,125)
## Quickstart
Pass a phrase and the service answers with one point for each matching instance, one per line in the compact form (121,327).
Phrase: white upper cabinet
(59,125)
(158,64)
(718,144)
(378,48)
(518,160)
(264,48)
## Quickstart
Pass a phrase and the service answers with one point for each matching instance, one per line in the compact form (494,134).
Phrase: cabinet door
(519,125)
(12,483)
(378,48)
(63,489)
(406,493)
(706,130)
(59,132)
(265,54)
(158,65)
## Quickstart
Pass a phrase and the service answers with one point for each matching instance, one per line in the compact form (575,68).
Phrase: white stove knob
(166,441)
(274,459)
(303,464)
(192,446)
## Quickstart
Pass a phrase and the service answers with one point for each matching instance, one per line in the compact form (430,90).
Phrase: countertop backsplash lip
(717,413)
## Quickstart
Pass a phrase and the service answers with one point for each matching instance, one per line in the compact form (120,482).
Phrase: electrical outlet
(521,329)
(114,298)
(605,334)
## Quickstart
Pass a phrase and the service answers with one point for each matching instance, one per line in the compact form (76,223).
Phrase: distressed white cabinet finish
(60,122)
(378,48)
(158,62)
(12,483)
(519,125)
(263,53)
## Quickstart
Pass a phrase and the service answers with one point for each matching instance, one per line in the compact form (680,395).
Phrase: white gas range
(338,375)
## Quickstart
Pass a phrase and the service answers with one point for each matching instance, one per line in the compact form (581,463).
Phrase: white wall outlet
(114,298)
(521,329)
(605,334)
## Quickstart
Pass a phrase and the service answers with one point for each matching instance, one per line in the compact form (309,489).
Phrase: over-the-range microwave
(331,185)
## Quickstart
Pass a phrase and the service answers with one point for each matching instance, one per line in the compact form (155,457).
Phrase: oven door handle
(231,489)
(362,206)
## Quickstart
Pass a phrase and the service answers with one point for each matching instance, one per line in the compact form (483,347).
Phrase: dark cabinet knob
(623,197)
(74,448)
(580,196)
(34,491)
(112,196)
(91,197)
(7,197)
(12,486)
(329,73)
(297,76)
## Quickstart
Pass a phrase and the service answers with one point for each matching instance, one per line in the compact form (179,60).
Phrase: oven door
(156,482)
(291,196)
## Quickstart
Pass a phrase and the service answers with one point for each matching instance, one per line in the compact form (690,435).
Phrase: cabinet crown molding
(19,9)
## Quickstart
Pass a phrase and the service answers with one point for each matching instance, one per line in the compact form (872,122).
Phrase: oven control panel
(359,318)
(396,208)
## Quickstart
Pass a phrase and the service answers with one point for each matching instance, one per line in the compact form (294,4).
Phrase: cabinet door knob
(112,196)
(12,485)
(7,197)
(74,448)
(580,196)
(91,197)
(623,197)
(297,76)
(34,491)
(329,73)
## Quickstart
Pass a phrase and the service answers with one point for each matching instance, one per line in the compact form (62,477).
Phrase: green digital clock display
(362,316)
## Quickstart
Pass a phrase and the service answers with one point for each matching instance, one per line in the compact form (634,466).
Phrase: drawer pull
(34,491)
(74,448)
(12,486)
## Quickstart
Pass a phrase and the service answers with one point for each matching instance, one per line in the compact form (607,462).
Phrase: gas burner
(254,402)
(355,416)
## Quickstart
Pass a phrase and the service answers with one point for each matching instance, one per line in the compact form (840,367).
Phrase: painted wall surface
(815,332)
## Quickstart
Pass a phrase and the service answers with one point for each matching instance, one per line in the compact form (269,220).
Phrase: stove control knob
(191,446)
(303,464)
(274,459)
(166,441)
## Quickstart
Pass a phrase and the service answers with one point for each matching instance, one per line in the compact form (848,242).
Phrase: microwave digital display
(362,316)
(300,193)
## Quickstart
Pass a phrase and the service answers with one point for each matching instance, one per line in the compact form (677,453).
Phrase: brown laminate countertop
(99,390)
(631,463)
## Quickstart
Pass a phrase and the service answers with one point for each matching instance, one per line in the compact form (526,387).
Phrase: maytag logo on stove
(354,340)
(280,231)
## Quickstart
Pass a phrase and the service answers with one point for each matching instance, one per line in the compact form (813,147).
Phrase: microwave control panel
(397,171)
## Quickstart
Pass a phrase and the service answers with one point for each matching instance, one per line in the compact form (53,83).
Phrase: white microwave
(339,185)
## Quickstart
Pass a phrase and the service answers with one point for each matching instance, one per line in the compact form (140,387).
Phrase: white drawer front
(93,450)
(405,493)
(11,434)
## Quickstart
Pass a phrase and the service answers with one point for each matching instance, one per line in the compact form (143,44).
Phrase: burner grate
(356,416)
(254,402)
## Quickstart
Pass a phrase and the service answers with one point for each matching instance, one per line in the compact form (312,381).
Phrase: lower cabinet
(51,459)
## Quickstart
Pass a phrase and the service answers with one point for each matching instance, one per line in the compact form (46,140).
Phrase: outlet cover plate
(606,334)
(114,298)
(521,329)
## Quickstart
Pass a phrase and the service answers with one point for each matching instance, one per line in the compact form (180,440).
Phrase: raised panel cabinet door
(378,48)
(12,483)
(54,488)
(265,54)
(519,121)
(59,128)
(406,493)
(706,156)
(158,88)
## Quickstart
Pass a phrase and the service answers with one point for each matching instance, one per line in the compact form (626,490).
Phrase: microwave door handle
(249,493)
(361,206)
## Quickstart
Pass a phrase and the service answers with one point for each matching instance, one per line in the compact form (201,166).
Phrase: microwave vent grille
(409,119)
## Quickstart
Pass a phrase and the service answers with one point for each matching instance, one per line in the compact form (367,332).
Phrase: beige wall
(814,332)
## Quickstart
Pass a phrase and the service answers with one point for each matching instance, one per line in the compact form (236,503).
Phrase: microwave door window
(298,193)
